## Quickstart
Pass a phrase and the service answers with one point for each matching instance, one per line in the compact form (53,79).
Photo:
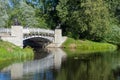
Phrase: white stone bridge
(17,35)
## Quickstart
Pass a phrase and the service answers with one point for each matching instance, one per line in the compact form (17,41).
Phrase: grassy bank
(85,46)
(9,51)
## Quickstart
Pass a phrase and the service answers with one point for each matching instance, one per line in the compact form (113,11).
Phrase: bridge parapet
(28,30)
(5,30)
(37,30)
(29,36)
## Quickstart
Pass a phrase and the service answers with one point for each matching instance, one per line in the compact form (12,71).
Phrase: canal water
(55,64)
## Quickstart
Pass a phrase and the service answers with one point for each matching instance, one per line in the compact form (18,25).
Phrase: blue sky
(31,1)
(10,3)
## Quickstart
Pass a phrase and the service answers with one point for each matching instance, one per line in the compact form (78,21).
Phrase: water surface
(55,64)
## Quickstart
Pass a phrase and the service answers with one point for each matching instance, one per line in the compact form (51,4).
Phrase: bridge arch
(29,36)
(37,41)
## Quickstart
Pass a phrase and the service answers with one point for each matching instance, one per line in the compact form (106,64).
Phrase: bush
(113,35)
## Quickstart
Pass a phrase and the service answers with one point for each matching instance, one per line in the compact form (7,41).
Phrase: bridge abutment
(58,39)
(16,36)
(17,32)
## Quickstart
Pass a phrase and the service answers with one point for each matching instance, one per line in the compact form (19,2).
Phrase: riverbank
(85,46)
(9,51)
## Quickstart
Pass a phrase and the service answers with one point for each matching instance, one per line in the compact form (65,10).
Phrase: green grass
(9,51)
(86,46)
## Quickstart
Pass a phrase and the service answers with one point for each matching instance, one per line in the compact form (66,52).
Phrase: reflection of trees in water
(89,67)
(116,64)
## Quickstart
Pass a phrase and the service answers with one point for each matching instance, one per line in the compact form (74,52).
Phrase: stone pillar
(58,36)
(17,32)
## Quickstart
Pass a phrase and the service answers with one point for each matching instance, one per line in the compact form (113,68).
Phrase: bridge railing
(28,30)
(37,30)
(5,30)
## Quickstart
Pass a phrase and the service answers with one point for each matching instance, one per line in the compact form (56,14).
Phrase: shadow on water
(40,53)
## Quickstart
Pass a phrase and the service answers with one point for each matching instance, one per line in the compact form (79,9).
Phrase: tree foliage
(114,10)
(89,18)
(3,13)
(26,16)
(96,18)
(113,35)
(24,13)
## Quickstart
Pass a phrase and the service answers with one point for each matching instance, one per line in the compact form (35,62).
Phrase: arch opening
(36,42)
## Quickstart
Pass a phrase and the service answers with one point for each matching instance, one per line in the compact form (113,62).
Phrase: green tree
(86,19)
(66,10)
(42,13)
(97,19)
(113,35)
(3,13)
(25,15)
(49,13)
(41,19)
(114,10)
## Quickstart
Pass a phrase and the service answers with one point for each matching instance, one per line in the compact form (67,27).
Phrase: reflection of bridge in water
(42,66)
